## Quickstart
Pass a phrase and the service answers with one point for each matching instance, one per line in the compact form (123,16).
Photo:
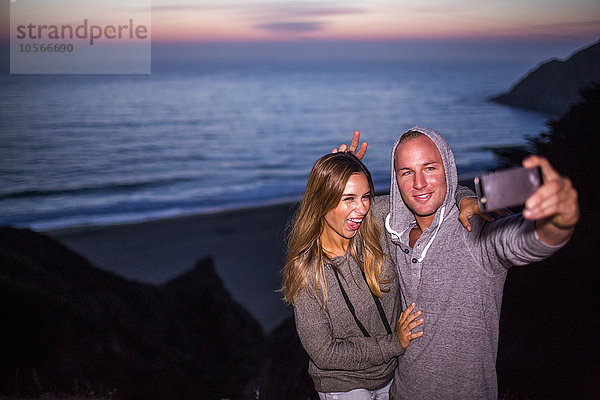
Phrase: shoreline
(465,179)
(212,211)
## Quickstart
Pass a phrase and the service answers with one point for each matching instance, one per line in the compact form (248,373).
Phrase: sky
(276,20)
(527,31)
(534,29)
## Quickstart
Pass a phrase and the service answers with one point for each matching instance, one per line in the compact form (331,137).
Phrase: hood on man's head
(400,215)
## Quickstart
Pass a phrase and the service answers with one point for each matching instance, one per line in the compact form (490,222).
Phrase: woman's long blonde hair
(305,264)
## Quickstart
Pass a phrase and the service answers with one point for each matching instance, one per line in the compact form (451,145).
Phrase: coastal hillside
(554,86)
(71,329)
(550,312)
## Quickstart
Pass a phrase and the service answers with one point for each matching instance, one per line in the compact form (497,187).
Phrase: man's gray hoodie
(456,278)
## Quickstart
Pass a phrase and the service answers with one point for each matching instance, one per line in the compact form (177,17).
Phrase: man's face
(421,177)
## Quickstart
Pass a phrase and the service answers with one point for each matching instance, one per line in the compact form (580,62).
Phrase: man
(455,275)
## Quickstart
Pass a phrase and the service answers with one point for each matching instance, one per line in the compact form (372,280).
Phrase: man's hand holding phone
(554,203)
(549,198)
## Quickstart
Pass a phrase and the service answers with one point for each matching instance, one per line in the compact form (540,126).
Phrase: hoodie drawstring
(389,228)
(429,243)
(442,211)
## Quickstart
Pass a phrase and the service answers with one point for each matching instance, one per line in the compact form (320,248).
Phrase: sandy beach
(247,247)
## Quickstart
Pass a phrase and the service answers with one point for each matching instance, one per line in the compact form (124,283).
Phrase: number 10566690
(46,48)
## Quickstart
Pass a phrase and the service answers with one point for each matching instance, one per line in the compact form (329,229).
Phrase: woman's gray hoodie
(456,278)
(341,357)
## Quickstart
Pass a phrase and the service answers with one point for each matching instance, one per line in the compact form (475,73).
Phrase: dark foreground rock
(284,372)
(555,85)
(69,328)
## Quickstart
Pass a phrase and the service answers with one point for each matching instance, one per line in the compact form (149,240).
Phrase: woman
(342,286)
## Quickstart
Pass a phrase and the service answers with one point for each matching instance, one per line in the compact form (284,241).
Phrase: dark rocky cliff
(69,328)
(555,85)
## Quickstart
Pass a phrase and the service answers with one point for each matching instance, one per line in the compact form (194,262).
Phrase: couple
(354,261)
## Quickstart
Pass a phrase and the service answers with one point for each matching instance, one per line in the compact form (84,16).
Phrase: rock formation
(71,329)
(555,85)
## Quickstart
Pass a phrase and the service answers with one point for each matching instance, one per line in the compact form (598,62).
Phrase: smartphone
(507,188)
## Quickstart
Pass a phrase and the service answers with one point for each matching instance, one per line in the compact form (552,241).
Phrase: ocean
(201,138)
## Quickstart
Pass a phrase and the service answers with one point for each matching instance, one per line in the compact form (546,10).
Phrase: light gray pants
(359,394)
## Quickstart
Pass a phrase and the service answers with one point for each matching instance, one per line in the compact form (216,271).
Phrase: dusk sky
(529,31)
(525,30)
(269,20)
